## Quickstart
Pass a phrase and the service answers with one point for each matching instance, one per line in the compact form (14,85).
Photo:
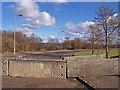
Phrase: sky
(51,20)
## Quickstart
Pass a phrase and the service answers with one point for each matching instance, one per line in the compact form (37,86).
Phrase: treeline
(33,43)
(22,42)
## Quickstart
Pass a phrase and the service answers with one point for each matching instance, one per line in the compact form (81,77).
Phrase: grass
(9,53)
(12,53)
(112,53)
(84,53)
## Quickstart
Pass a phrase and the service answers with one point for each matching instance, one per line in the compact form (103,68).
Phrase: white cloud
(77,29)
(29,26)
(115,15)
(113,18)
(46,37)
(81,29)
(35,18)
(28,9)
(25,30)
(52,37)
(59,1)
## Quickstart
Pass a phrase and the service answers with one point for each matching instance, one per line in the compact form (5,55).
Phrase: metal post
(14,33)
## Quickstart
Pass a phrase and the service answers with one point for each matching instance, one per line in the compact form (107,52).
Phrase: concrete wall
(54,69)
(5,67)
(77,66)
(80,68)
(89,57)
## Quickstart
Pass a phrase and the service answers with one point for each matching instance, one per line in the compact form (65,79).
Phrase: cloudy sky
(49,20)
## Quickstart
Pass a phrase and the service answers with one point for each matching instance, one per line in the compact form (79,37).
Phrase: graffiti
(38,70)
(39,67)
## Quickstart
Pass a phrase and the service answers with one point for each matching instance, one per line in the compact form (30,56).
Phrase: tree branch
(113,30)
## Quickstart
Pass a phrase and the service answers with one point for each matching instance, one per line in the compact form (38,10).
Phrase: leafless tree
(107,22)
(91,30)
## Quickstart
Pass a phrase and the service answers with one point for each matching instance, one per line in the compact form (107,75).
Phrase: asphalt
(30,82)
(103,81)
(46,55)
(51,54)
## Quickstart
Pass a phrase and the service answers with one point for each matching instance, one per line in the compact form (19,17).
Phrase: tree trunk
(92,48)
(106,45)
(92,42)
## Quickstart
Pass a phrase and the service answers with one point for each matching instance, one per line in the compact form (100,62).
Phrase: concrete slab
(102,81)
(88,57)
(42,69)
(30,82)
(80,68)
(4,67)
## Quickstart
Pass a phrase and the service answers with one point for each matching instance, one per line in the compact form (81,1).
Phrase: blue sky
(60,16)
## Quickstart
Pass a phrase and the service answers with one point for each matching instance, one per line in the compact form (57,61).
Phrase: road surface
(47,54)
(30,82)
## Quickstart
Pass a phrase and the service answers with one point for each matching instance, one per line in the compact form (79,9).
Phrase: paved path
(48,54)
(26,82)
(52,54)
(103,81)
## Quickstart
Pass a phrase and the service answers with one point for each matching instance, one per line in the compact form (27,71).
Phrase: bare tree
(107,21)
(92,29)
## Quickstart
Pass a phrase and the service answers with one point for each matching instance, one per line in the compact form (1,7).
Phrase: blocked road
(47,55)
(51,55)
(99,82)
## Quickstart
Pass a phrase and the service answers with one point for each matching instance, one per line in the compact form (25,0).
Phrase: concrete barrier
(80,68)
(89,57)
(5,67)
(39,59)
(42,69)
(76,66)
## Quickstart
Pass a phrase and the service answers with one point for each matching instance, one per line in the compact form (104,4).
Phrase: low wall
(5,67)
(89,57)
(77,66)
(80,68)
(42,69)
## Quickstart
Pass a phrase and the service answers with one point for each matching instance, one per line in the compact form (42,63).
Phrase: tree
(77,43)
(23,42)
(53,44)
(107,22)
(67,44)
(51,40)
(92,29)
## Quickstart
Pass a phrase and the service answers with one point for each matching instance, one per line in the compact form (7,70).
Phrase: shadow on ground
(115,56)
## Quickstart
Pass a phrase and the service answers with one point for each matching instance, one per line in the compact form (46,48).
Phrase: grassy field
(112,53)
(9,53)
(12,53)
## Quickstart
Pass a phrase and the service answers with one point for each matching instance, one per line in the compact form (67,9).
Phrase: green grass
(12,53)
(84,53)
(30,52)
(9,53)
